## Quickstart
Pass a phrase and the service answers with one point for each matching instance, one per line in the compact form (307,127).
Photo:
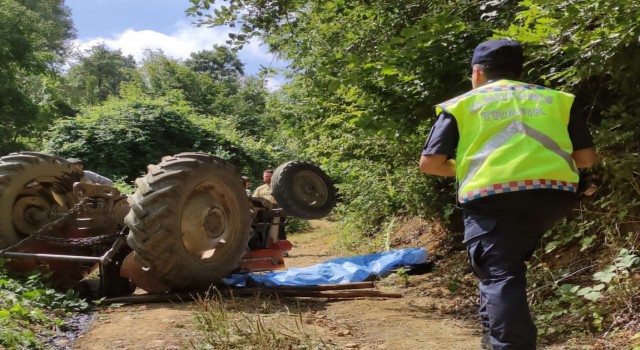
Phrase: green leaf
(334,85)
(396,40)
(622,214)
(583,291)
(453,286)
(593,296)
(626,259)
(409,32)
(603,276)
(551,246)
(586,242)
(569,288)
(389,70)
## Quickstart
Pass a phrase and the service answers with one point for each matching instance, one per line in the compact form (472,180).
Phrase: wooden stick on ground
(338,286)
(329,294)
(330,291)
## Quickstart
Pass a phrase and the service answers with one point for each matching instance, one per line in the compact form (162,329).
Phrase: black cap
(500,53)
(74,161)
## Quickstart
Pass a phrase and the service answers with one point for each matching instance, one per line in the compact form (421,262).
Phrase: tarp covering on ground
(340,270)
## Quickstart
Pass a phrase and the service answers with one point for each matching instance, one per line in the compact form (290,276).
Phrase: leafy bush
(297,225)
(608,300)
(122,136)
(30,310)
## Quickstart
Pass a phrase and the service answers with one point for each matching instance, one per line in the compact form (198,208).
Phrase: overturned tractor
(189,224)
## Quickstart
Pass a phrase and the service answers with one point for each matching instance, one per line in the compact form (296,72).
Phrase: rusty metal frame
(102,260)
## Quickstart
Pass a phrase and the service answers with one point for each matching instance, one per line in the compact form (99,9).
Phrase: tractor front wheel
(303,190)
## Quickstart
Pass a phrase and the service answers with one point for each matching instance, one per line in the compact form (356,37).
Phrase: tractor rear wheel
(303,190)
(33,187)
(190,220)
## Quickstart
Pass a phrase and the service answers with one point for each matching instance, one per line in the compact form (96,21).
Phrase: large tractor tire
(190,220)
(303,190)
(33,187)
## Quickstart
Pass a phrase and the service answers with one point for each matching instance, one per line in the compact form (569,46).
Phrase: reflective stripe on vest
(518,186)
(514,128)
(510,139)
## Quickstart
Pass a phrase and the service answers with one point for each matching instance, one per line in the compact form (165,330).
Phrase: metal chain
(42,233)
(73,242)
(50,226)
(77,242)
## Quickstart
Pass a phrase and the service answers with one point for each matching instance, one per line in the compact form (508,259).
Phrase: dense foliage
(366,77)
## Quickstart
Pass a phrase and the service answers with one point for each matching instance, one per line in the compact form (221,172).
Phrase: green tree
(220,63)
(160,73)
(212,82)
(248,107)
(121,136)
(55,17)
(98,75)
(33,37)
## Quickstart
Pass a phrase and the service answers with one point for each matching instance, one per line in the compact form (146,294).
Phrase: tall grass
(258,322)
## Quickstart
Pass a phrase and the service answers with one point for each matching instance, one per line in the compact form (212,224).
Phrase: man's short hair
(268,171)
(494,73)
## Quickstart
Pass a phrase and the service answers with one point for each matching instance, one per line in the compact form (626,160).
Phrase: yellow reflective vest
(513,137)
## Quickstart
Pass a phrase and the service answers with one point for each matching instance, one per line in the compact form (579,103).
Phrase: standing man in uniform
(515,150)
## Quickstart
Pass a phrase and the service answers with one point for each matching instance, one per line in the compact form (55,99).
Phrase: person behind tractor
(515,150)
(90,176)
(246,182)
(277,230)
(264,190)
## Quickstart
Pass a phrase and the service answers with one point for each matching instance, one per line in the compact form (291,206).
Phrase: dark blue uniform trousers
(501,233)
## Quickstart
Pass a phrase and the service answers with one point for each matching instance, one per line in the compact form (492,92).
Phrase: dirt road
(418,320)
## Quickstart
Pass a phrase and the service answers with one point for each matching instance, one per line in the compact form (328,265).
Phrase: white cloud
(275,83)
(184,40)
(179,44)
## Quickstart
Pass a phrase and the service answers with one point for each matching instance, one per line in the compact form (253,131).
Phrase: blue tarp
(340,270)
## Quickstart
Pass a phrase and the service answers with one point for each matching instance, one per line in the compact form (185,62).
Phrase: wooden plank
(333,291)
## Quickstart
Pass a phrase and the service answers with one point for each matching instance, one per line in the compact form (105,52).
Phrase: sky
(135,25)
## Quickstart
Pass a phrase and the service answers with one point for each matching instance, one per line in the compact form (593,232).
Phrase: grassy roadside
(260,323)
(265,322)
